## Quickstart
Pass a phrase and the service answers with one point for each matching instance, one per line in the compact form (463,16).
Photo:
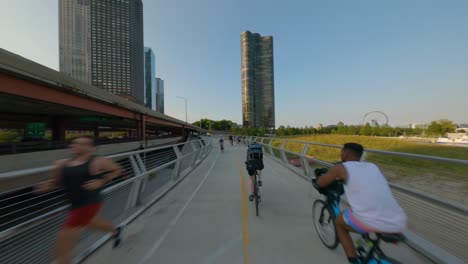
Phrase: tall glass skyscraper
(150,79)
(258,93)
(101,43)
(160,95)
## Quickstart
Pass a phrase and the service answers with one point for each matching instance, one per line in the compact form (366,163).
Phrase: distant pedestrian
(82,177)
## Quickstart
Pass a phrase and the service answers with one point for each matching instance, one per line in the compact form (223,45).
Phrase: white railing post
(271,148)
(305,161)
(283,153)
(196,152)
(139,168)
(176,171)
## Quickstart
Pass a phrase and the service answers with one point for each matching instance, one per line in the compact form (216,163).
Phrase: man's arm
(112,169)
(55,179)
(110,166)
(335,172)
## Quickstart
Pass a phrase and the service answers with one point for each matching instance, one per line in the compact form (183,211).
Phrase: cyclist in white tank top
(373,207)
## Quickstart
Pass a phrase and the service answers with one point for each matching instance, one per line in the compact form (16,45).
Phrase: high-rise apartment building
(258,94)
(160,95)
(101,43)
(150,79)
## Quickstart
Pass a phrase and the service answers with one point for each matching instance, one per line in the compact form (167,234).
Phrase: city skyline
(101,43)
(334,62)
(258,85)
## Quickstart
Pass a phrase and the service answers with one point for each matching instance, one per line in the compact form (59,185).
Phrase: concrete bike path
(208,219)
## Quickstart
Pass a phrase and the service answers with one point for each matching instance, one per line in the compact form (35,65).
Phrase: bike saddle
(391,238)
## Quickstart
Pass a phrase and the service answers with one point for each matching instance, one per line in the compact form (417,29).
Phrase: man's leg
(259,178)
(66,240)
(251,187)
(101,224)
(342,230)
(104,225)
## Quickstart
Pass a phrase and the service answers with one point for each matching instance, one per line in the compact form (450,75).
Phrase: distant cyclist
(373,207)
(254,163)
(231,139)
(221,144)
(238,139)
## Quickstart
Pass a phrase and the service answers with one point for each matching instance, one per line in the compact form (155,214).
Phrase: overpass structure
(187,203)
(30,92)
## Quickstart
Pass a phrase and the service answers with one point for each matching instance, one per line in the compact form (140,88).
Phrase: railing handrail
(385,152)
(19,173)
(36,220)
(450,204)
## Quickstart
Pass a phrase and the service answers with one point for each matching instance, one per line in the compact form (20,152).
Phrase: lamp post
(185,99)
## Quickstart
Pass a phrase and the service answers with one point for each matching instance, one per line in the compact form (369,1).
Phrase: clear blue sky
(334,60)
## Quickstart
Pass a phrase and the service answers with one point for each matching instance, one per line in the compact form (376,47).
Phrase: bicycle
(256,192)
(324,214)
(221,145)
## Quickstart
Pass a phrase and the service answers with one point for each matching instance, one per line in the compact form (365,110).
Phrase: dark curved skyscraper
(258,91)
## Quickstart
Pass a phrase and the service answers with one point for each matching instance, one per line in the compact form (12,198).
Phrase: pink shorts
(356,224)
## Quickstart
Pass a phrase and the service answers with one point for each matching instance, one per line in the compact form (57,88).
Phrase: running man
(83,176)
(231,139)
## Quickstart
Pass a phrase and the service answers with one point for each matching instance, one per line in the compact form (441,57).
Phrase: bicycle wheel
(256,194)
(324,224)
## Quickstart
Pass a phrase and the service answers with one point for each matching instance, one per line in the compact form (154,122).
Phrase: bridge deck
(207,219)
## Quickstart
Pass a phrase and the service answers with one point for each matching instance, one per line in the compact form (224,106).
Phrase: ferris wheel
(375,118)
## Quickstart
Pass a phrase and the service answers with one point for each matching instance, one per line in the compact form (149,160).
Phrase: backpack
(255,157)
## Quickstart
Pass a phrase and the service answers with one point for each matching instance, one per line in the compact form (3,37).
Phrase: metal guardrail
(438,227)
(30,222)
(43,145)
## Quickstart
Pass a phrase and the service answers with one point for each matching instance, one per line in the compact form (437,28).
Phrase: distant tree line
(221,125)
(434,129)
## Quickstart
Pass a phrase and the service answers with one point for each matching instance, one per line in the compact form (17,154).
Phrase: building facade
(258,93)
(160,95)
(150,79)
(101,43)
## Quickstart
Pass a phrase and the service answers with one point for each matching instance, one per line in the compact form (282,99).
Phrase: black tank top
(73,180)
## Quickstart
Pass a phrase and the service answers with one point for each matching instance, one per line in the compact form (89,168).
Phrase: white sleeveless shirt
(370,198)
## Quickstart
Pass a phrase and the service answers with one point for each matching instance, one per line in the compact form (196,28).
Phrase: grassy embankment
(447,180)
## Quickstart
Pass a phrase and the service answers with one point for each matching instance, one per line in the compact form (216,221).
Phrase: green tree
(376,131)
(434,128)
(366,130)
(386,130)
(447,126)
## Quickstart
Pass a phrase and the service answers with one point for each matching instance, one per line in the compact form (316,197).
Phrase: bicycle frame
(333,202)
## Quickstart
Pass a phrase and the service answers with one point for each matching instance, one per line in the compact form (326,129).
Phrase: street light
(185,99)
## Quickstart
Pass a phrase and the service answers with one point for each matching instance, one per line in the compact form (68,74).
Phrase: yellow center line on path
(245,213)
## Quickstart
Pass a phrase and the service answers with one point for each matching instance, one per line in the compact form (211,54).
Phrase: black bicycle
(324,213)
